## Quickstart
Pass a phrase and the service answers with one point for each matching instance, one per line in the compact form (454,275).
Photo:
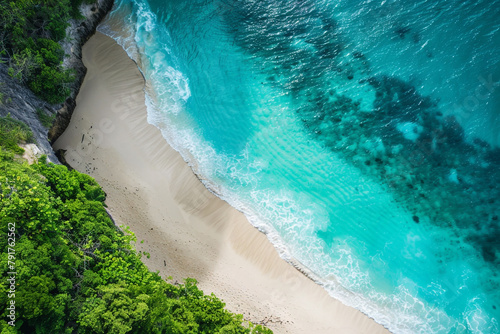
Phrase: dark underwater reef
(438,174)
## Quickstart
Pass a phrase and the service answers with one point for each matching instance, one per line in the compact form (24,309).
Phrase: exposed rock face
(22,104)
(78,32)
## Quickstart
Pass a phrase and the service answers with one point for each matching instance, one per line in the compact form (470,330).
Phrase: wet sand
(188,231)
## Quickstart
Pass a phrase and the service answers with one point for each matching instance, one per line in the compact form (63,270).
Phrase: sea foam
(323,215)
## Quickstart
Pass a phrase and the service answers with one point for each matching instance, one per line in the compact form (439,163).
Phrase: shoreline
(188,231)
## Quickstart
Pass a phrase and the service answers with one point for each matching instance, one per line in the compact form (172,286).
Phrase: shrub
(31,30)
(13,132)
(46,120)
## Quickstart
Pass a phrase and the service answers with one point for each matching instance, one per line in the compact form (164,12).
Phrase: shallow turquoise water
(361,137)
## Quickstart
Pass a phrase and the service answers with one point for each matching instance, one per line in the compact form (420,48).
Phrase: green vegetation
(75,271)
(46,120)
(1,94)
(13,132)
(3,100)
(29,36)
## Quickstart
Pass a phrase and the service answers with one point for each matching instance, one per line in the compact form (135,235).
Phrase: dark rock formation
(22,104)
(78,32)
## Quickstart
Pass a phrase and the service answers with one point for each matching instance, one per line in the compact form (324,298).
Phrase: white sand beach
(188,231)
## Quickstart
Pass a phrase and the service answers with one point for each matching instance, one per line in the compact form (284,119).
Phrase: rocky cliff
(18,101)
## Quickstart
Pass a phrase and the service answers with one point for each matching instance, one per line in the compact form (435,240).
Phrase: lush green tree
(116,310)
(31,30)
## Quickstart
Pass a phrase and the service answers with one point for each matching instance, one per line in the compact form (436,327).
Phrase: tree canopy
(29,34)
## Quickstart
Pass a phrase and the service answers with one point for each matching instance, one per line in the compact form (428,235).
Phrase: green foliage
(51,84)
(13,132)
(46,120)
(3,100)
(77,273)
(31,30)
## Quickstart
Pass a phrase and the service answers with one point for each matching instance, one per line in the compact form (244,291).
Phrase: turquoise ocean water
(361,136)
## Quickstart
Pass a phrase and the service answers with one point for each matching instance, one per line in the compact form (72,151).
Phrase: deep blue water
(362,137)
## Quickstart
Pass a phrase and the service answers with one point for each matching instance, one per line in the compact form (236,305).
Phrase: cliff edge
(22,104)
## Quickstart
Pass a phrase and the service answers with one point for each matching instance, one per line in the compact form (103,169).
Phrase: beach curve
(188,231)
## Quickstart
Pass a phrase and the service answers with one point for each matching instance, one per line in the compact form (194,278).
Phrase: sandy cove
(188,231)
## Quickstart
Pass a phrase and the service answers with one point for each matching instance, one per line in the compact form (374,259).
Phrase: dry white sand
(188,231)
